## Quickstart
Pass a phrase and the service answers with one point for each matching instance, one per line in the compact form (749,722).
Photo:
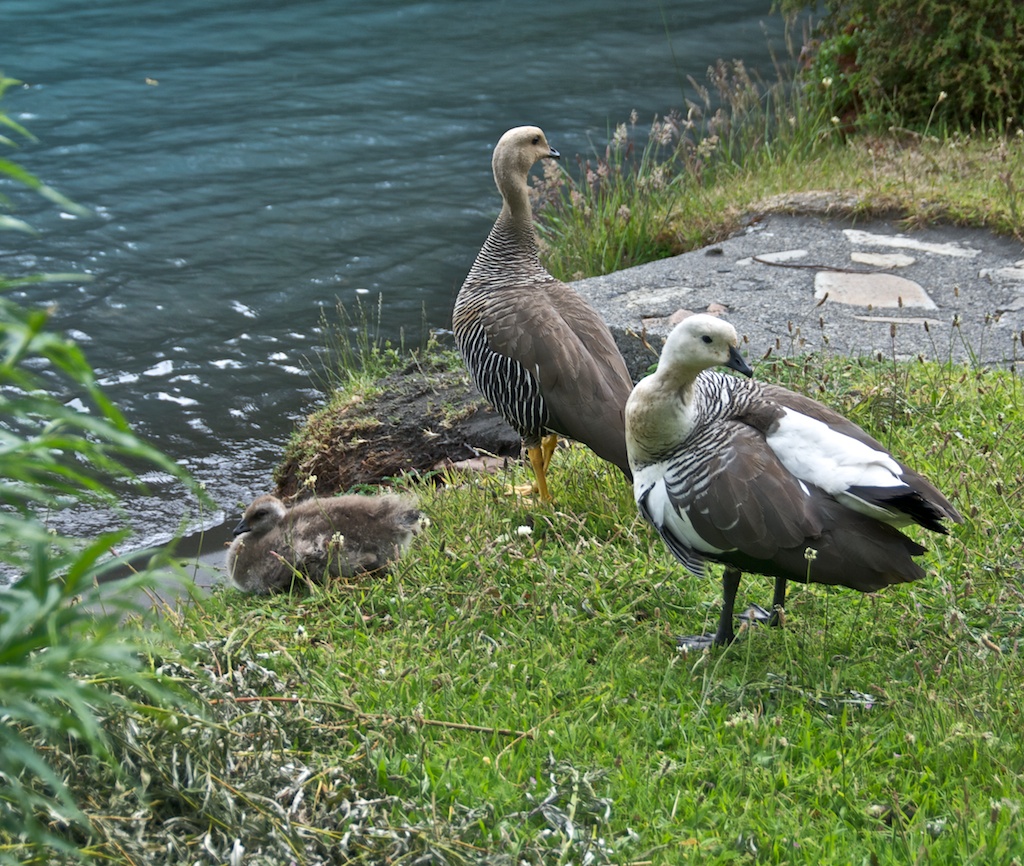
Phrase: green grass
(517,696)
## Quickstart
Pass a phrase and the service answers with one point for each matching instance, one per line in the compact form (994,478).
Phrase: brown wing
(745,499)
(747,504)
(566,346)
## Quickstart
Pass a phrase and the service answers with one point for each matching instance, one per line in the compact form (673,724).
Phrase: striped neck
(510,248)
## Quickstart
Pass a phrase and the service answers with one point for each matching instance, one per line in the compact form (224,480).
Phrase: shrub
(67,659)
(891,61)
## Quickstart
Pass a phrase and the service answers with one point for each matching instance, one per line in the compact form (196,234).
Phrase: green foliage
(616,214)
(354,348)
(912,63)
(67,657)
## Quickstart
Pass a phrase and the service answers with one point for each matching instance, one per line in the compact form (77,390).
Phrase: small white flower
(524,530)
(942,95)
(835,120)
(826,82)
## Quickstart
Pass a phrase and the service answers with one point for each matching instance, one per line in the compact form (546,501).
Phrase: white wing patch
(664,515)
(826,458)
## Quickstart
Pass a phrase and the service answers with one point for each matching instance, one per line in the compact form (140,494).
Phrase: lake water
(249,163)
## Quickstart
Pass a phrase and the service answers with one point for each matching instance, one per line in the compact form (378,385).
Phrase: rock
(421,419)
(870,290)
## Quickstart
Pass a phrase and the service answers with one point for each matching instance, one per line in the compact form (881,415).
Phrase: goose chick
(319,538)
(537,351)
(762,479)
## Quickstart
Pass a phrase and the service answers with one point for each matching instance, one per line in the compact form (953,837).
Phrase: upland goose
(319,538)
(537,351)
(763,479)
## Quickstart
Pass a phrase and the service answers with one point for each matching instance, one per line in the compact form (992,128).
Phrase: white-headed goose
(537,351)
(319,538)
(753,475)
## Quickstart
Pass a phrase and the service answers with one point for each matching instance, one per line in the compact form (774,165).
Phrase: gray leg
(725,634)
(730,585)
(778,601)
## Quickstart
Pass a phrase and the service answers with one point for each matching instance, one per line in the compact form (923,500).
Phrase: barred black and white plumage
(537,351)
(762,479)
(505,383)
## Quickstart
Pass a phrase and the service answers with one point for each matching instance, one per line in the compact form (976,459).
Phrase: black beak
(242,527)
(737,363)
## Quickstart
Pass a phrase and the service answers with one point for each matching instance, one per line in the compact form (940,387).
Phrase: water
(249,163)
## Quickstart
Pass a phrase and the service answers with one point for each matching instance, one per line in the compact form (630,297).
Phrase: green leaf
(17,173)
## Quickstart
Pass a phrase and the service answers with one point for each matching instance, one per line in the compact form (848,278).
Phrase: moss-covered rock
(419,419)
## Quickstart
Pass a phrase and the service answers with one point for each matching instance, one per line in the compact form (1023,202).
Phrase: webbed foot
(755,615)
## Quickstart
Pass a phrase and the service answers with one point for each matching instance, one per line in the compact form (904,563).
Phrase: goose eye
(536,139)
(707,339)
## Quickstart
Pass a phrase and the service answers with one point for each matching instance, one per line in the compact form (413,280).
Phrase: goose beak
(737,363)
(242,527)
(552,153)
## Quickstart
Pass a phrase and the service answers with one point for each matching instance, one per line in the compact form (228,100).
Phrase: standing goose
(318,538)
(537,351)
(763,479)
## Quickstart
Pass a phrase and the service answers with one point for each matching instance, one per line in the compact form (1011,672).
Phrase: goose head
(698,343)
(515,153)
(261,516)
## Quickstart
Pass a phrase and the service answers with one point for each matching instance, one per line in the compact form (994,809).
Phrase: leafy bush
(67,658)
(915,62)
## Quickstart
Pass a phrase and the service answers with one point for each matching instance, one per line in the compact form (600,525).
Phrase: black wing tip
(913,504)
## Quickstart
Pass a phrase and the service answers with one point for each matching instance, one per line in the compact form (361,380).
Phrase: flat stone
(774,258)
(870,290)
(649,301)
(899,320)
(883,260)
(1012,306)
(862,238)
(1015,274)
(669,322)
(763,299)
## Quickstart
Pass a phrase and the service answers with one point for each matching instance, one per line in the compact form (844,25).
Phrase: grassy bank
(513,692)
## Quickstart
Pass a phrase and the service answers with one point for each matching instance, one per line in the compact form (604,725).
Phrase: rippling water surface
(248,163)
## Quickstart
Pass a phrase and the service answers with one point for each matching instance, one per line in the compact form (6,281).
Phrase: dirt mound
(416,420)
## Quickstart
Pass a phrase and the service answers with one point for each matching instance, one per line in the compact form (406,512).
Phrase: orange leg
(548,445)
(540,456)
